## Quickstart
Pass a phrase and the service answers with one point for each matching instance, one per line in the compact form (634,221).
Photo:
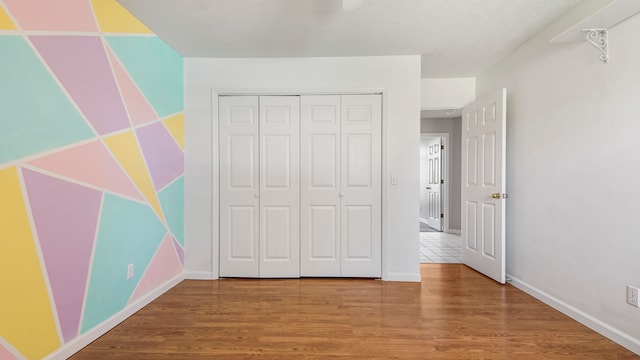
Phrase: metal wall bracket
(598,38)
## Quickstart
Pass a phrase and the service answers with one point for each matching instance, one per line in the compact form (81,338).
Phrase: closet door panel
(323,165)
(358,224)
(359,164)
(277,232)
(241,162)
(239,212)
(241,232)
(277,166)
(323,234)
(361,245)
(279,186)
(320,185)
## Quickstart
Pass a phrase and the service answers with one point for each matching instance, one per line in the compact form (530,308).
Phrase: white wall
(448,93)
(573,177)
(399,79)
(453,127)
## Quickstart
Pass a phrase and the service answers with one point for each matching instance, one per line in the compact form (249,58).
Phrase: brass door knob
(496,195)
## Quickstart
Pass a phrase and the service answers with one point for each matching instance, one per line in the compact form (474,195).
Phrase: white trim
(446,176)
(578,315)
(408,277)
(199,275)
(215,185)
(85,339)
(455,231)
(384,185)
(296,92)
(424,221)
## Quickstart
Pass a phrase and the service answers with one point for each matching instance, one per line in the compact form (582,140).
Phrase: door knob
(341,194)
(498,195)
(256,195)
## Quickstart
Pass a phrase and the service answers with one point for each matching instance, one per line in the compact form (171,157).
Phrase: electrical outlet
(632,295)
(129,271)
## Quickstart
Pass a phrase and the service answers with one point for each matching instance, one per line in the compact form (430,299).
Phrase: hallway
(440,248)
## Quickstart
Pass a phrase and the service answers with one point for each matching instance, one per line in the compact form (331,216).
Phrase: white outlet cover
(632,296)
(129,271)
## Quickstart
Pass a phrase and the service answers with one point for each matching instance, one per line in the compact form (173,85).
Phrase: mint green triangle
(36,115)
(129,233)
(155,67)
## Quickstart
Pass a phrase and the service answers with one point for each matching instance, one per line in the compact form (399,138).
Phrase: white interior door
(424,180)
(279,186)
(483,185)
(360,189)
(320,185)
(239,187)
(434,180)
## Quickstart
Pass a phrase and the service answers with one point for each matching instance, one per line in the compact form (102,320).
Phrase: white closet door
(361,186)
(320,185)
(239,187)
(279,186)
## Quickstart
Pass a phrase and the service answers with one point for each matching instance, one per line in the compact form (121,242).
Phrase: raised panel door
(279,186)
(361,246)
(320,181)
(483,185)
(239,187)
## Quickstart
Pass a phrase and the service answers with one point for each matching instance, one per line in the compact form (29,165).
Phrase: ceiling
(456,38)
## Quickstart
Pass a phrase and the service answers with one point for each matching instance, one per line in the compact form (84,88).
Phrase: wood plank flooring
(455,313)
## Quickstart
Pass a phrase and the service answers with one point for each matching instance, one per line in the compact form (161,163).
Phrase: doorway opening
(440,177)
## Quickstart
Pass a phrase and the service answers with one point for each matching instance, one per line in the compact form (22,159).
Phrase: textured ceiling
(456,38)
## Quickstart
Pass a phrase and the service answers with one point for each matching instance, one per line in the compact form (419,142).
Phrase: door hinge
(441,147)
(442,216)
(441,181)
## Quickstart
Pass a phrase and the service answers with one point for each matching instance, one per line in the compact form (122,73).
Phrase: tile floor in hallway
(439,247)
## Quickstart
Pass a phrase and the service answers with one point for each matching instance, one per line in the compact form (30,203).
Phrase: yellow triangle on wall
(175,125)
(125,148)
(25,308)
(5,21)
(114,18)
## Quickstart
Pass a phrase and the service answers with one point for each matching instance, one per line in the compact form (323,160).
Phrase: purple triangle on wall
(65,217)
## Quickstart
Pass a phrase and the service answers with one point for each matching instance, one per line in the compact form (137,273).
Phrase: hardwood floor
(455,313)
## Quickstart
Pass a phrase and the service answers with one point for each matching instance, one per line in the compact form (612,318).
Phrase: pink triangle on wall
(5,354)
(90,163)
(140,111)
(59,15)
(164,266)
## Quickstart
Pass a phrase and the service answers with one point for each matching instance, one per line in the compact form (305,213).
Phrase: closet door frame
(215,174)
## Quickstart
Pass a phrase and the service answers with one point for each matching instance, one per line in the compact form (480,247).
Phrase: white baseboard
(585,319)
(75,345)
(199,275)
(408,277)
(424,221)
(455,231)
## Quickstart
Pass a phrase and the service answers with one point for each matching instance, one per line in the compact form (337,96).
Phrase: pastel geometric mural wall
(91,169)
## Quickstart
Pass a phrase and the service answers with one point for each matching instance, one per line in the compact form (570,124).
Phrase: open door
(434,183)
(483,185)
